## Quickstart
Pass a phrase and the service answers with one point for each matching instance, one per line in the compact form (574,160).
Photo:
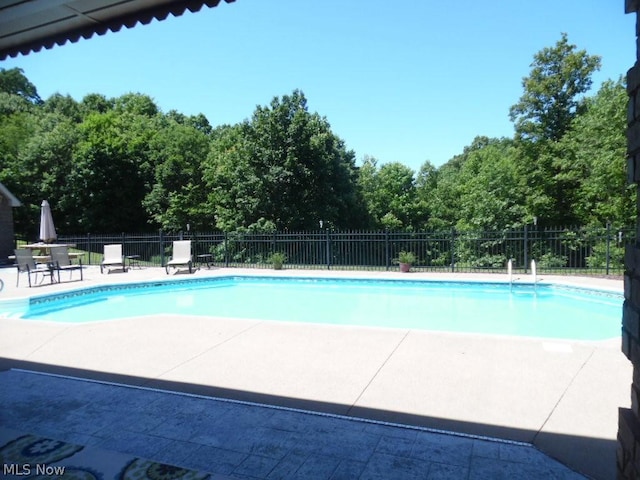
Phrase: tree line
(121,165)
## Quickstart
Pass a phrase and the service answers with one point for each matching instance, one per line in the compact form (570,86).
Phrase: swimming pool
(547,311)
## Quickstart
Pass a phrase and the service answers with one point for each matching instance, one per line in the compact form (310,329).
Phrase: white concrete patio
(561,396)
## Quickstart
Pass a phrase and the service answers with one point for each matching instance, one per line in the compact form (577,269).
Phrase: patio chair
(181,255)
(60,260)
(112,258)
(26,264)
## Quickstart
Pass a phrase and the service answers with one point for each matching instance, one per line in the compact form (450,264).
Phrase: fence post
(526,248)
(608,247)
(226,250)
(89,248)
(386,249)
(161,241)
(328,249)
(453,249)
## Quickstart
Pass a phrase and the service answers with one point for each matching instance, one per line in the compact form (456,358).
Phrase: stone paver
(250,441)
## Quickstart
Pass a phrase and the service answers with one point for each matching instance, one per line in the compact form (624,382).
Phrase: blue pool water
(491,308)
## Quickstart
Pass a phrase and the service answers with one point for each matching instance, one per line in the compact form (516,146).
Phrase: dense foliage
(121,165)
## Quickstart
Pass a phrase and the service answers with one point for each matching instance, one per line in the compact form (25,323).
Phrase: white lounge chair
(60,260)
(181,256)
(26,264)
(112,258)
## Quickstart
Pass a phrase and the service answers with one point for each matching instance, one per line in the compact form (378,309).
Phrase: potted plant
(277,259)
(406,259)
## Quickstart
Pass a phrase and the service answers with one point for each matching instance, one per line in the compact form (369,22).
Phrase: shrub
(406,257)
(277,259)
(549,260)
(598,257)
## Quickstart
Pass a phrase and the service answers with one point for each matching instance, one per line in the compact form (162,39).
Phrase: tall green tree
(136,104)
(18,122)
(107,175)
(63,105)
(96,103)
(14,82)
(493,190)
(553,91)
(234,185)
(389,193)
(592,161)
(177,196)
(198,122)
(38,168)
(426,185)
(46,161)
(553,97)
(443,204)
(285,167)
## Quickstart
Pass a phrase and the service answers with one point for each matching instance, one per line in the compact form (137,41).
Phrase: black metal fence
(555,250)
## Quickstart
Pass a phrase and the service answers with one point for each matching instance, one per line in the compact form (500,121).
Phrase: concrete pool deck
(560,396)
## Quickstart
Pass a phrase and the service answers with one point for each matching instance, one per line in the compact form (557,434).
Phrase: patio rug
(36,457)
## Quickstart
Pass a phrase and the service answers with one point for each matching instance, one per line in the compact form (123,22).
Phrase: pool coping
(334,275)
(236,278)
(157,274)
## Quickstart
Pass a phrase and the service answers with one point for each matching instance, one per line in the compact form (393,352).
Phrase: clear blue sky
(400,81)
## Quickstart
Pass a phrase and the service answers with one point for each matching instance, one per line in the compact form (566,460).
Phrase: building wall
(628,457)
(6,229)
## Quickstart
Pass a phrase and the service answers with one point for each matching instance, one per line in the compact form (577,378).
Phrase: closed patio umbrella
(47,229)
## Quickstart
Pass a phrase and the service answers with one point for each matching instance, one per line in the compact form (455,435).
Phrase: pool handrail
(534,273)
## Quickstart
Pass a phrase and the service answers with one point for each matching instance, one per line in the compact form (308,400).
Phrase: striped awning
(30,25)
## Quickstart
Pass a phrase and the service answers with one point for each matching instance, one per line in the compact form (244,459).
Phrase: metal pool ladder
(510,273)
(534,273)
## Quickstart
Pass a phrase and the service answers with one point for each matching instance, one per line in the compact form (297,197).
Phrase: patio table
(47,258)
(45,248)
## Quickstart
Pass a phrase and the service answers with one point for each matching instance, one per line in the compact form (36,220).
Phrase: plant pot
(405,267)
(277,266)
